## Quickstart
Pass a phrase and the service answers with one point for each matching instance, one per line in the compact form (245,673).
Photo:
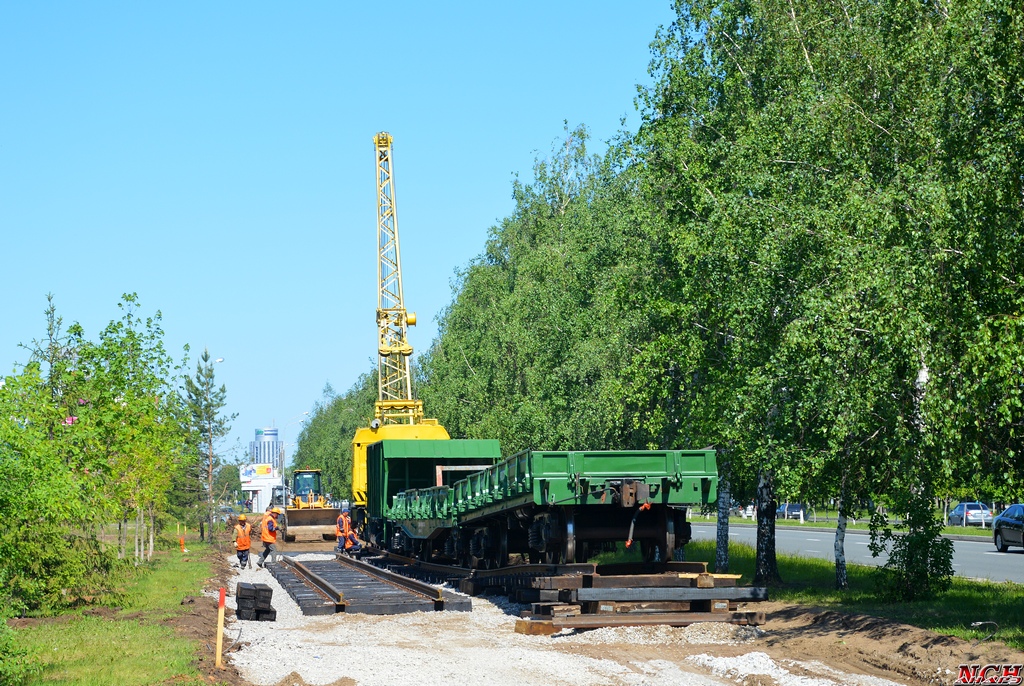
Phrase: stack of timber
(254,602)
(669,593)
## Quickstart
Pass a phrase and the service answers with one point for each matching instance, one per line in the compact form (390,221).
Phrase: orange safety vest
(345,530)
(242,536)
(266,535)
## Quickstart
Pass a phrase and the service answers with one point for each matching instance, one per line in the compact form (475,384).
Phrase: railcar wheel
(560,536)
(663,545)
(498,548)
(569,544)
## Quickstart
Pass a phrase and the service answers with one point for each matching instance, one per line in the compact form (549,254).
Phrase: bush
(920,561)
(47,566)
(15,665)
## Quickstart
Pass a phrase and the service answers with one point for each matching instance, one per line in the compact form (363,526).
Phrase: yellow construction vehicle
(396,414)
(308,515)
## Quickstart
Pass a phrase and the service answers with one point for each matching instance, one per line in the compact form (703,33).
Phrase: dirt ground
(854,644)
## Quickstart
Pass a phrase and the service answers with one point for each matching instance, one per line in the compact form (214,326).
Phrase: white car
(970,514)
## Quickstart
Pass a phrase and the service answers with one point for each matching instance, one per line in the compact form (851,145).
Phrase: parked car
(738,509)
(970,514)
(225,513)
(1008,528)
(791,511)
(735,508)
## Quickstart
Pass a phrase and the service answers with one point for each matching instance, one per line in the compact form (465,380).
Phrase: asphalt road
(973,559)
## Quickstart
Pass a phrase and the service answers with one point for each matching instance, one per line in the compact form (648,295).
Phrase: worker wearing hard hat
(347,541)
(243,541)
(268,534)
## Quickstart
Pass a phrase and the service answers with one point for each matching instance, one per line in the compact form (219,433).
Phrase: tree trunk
(766,567)
(138,535)
(202,530)
(842,581)
(122,538)
(722,542)
(152,531)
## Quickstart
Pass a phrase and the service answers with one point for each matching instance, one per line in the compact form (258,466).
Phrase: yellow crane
(397,415)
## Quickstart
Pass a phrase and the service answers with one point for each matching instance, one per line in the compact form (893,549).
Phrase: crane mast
(396,415)
(395,404)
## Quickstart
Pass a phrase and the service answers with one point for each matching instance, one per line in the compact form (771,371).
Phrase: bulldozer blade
(311,524)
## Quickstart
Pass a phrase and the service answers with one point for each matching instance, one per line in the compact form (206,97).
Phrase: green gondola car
(458,500)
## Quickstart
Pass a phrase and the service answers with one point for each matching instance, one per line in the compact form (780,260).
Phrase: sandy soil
(798,645)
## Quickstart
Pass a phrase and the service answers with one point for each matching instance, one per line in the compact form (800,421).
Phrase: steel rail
(317,581)
(537,570)
(412,585)
(432,567)
(540,569)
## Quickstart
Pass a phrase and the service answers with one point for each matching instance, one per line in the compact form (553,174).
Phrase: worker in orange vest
(243,541)
(347,540)
(268,534)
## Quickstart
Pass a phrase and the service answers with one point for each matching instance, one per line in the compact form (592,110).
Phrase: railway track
(348,585)
(586,595)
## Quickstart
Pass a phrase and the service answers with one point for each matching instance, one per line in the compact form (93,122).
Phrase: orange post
(220,628)
(182,542)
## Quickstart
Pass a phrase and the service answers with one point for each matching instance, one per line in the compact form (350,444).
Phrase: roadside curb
(862,532)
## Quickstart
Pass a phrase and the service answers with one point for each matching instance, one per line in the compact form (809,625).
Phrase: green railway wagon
(395,466)
(560,505)
(668,477)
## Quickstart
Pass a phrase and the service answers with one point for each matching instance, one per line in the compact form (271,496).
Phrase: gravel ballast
(481,647)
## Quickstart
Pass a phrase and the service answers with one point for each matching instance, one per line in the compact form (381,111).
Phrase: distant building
(264,472)
(266,449)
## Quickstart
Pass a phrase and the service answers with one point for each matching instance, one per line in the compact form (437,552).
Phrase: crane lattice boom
(397,415)
(395,403)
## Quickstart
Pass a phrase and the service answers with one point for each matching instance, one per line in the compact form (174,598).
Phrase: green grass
(129,646)
(810,581)
(827,520)
(90,650)
(159,593)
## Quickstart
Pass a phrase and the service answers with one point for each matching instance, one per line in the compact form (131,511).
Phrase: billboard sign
(257,472)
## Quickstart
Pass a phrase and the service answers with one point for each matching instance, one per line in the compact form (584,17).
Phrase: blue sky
(217,159)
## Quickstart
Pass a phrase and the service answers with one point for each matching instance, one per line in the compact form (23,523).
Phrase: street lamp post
(209,437)
(297,419)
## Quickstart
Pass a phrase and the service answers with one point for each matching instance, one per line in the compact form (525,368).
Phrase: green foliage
(809,257)
(16,667)
(920,563)
(528,349)
(130,646)
(226,481)
(325,441)
(53,567)
(207,425)
(90,433)
(811,581)
(812,164)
